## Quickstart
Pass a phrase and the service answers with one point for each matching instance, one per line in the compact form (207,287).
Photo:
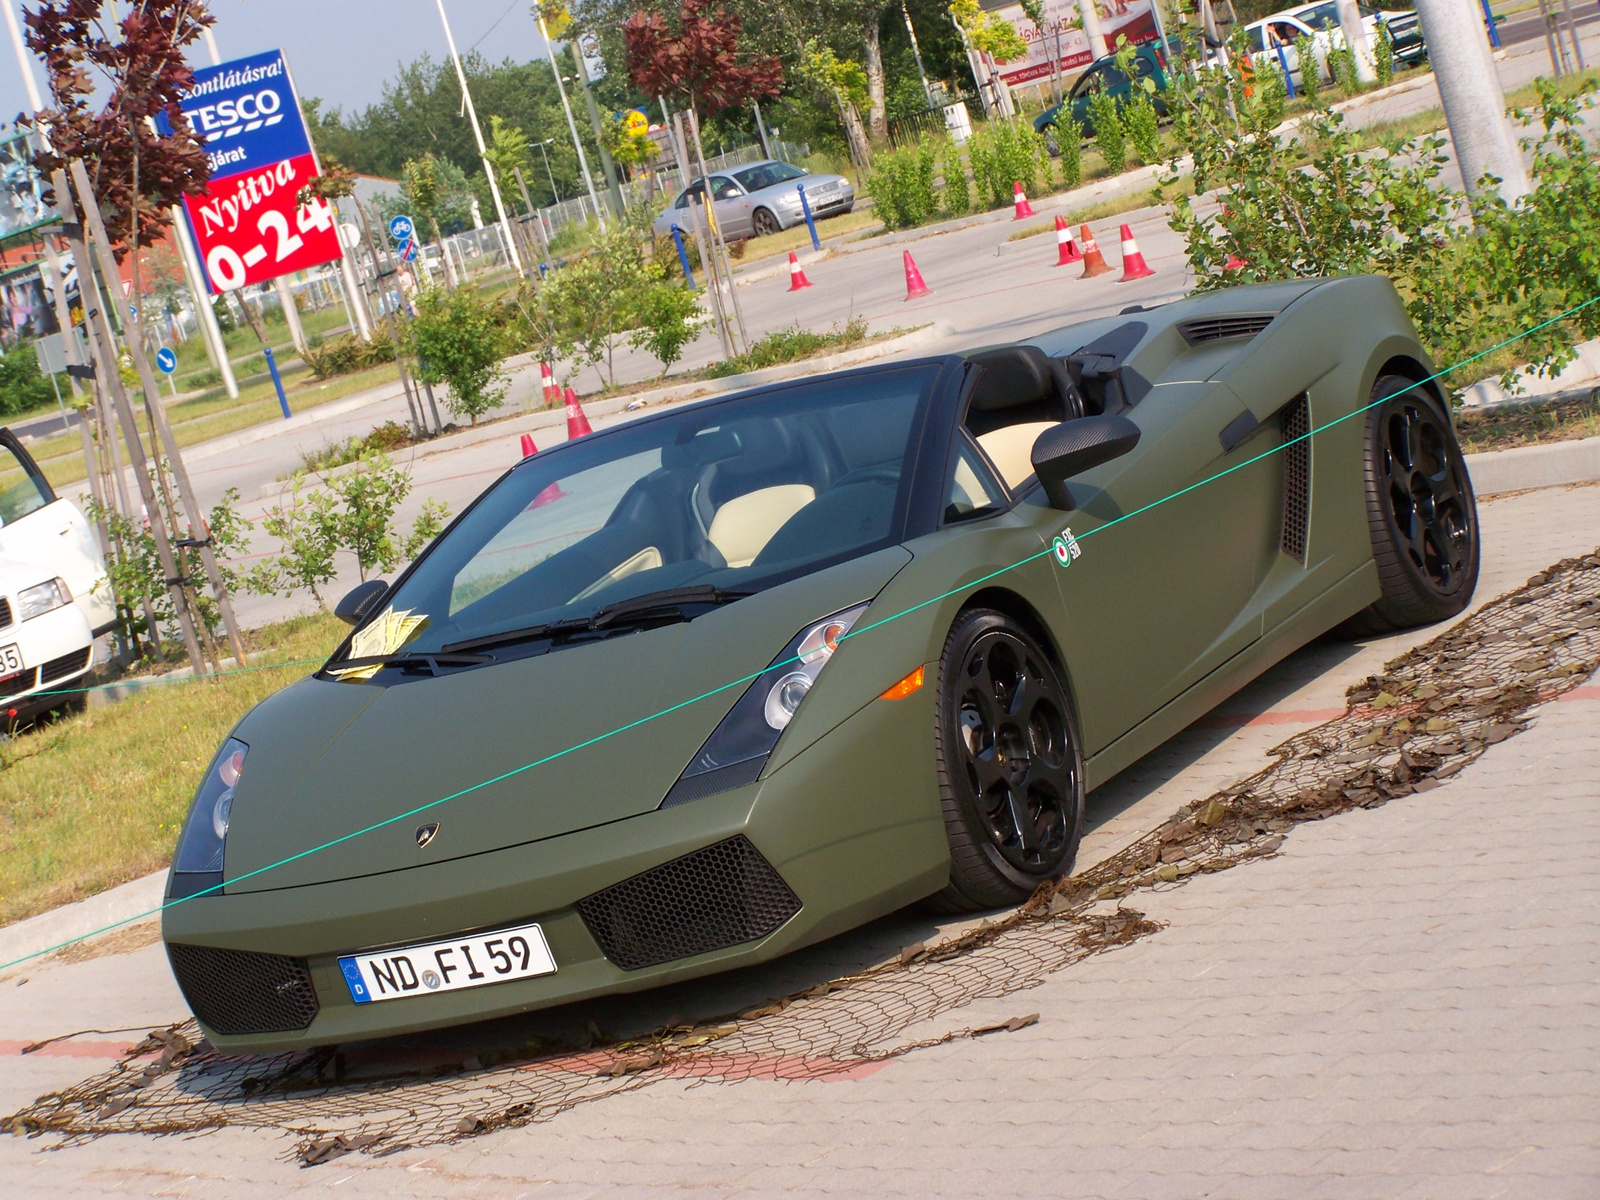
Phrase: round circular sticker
(1063,552)
(430,979)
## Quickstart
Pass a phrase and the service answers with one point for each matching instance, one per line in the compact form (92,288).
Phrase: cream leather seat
(1010,449)
(745,524)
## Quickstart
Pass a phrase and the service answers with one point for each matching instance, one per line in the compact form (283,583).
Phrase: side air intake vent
(717,897)
(1224,328)
(1295,418)
(239,991)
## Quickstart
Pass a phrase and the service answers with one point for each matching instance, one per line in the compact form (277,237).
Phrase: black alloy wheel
(1421,512)
(1010,764)
(766,224)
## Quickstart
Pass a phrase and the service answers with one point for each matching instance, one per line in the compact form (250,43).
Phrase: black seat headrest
(1014,376)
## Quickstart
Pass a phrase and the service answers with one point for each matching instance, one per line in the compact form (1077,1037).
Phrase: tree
(697,60)
(846,83)
(989,34)
(137,173)
(507,150)
(457,338)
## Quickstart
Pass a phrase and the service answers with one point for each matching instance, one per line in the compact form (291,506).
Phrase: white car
(54,594)
(1320,23)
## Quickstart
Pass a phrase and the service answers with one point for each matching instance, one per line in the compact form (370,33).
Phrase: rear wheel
(1421,513)
(1010,765)
(766,224)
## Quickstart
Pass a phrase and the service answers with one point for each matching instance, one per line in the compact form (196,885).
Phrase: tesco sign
(248,225)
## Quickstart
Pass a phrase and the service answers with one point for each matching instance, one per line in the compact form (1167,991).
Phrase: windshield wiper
(405,659)
(664,606)
(664,601)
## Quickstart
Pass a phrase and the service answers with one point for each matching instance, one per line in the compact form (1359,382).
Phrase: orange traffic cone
(1020,199)
(1094,263)
(797,277)
(914,285)
(551,392)
(528,448)
(1133,264)
(550,493)
(1067,251)
(577,420)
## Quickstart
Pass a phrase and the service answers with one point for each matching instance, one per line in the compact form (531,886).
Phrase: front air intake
(1295,422)
(1231,327)
(238,991)
(721,896)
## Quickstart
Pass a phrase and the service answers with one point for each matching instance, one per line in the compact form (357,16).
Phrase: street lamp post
(483,151)
(572,126)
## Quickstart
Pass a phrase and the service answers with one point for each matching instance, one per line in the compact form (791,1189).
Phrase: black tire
(1421,513)
(765,223)
(1010,765)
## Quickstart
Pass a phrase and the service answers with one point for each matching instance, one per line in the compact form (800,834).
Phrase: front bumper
(57,648)
(851,825)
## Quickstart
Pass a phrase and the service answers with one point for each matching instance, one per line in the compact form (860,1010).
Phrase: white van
(1320,23)
(55,598)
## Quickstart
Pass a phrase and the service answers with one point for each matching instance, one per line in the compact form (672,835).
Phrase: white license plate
(448,966)
(10,659)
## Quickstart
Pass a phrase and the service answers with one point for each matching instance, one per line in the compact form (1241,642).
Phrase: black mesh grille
(67,664)
(237,991)
(5,613)
(1219,329)
(1296,421)
(709,900)
(11,685)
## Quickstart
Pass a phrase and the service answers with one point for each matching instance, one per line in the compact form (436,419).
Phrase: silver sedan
(760,198)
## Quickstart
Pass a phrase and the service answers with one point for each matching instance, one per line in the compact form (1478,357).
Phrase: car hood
(527,749)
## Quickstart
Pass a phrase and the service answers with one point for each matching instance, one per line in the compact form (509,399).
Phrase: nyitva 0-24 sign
(249,227)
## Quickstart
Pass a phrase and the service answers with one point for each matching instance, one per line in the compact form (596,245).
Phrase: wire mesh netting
(1429,714)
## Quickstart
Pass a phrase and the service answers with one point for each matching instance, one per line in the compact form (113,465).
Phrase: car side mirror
(1072,447)
(360,600)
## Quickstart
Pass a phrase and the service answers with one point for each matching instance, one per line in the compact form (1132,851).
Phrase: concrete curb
(121,904)
(1522,468)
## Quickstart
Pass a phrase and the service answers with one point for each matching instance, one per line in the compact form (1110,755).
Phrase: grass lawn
(1565,422)
(798,237)
(96,800)
(212,414)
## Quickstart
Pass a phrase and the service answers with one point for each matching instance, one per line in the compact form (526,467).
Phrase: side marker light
(905,687)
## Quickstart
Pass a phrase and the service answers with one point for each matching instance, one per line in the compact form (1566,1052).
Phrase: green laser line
(421,808)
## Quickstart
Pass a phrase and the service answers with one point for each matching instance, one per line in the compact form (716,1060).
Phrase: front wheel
(766,224)
(1421,513)
(1010,765)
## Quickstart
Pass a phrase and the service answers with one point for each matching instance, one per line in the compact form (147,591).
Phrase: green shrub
(1305,58)
(391,435)
(1139,119)
(225,321)
(1003,155)
(22,387)
(668,313)
(1383,56)
(1069,137)
(957,192)
(1109,134)
(347,353)
(1342,66)
(457,339)
(791,345)
(902,185)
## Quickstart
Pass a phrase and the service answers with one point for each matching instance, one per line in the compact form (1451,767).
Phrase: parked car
(1320,23)
(1104,75)
(760,198)
(54,595)
(713,684)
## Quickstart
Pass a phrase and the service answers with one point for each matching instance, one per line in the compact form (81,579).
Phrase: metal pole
(1572,32)
(1355,40)
(291,314)
(719,248)
(483,153)
(811,225)
(169,443)
(216,345)
(683,256)
(1549,39)
(761,129)
(1488,19)
(607,167)
(572,126)
(916,53)
(277,381)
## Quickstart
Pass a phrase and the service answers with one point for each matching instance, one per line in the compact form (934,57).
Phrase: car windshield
(722,500)
(765,175)
(1322,17)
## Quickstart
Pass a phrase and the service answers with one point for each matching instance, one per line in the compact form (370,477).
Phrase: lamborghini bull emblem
(426,834)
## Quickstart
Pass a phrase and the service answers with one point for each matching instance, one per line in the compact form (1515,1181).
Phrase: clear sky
(341,50)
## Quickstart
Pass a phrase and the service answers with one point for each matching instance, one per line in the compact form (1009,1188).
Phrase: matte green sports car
(693,691)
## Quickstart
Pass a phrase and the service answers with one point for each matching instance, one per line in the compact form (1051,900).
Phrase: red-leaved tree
(697,62)
(137,172)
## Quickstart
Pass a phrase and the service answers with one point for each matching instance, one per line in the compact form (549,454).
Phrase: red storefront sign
(249,227)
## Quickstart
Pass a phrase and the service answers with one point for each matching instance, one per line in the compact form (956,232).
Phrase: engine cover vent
(721,896)
(1231,327)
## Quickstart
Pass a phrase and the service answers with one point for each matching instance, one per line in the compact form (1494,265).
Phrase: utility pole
(1355,38)
(1474,105)
(1091,30)
(477,132)
(618,204)
(572,126)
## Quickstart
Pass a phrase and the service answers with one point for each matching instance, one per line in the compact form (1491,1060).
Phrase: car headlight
(738,748)
(205,833)
(42,598)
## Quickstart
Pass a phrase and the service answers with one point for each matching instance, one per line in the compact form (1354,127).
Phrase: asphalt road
(1528,27)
